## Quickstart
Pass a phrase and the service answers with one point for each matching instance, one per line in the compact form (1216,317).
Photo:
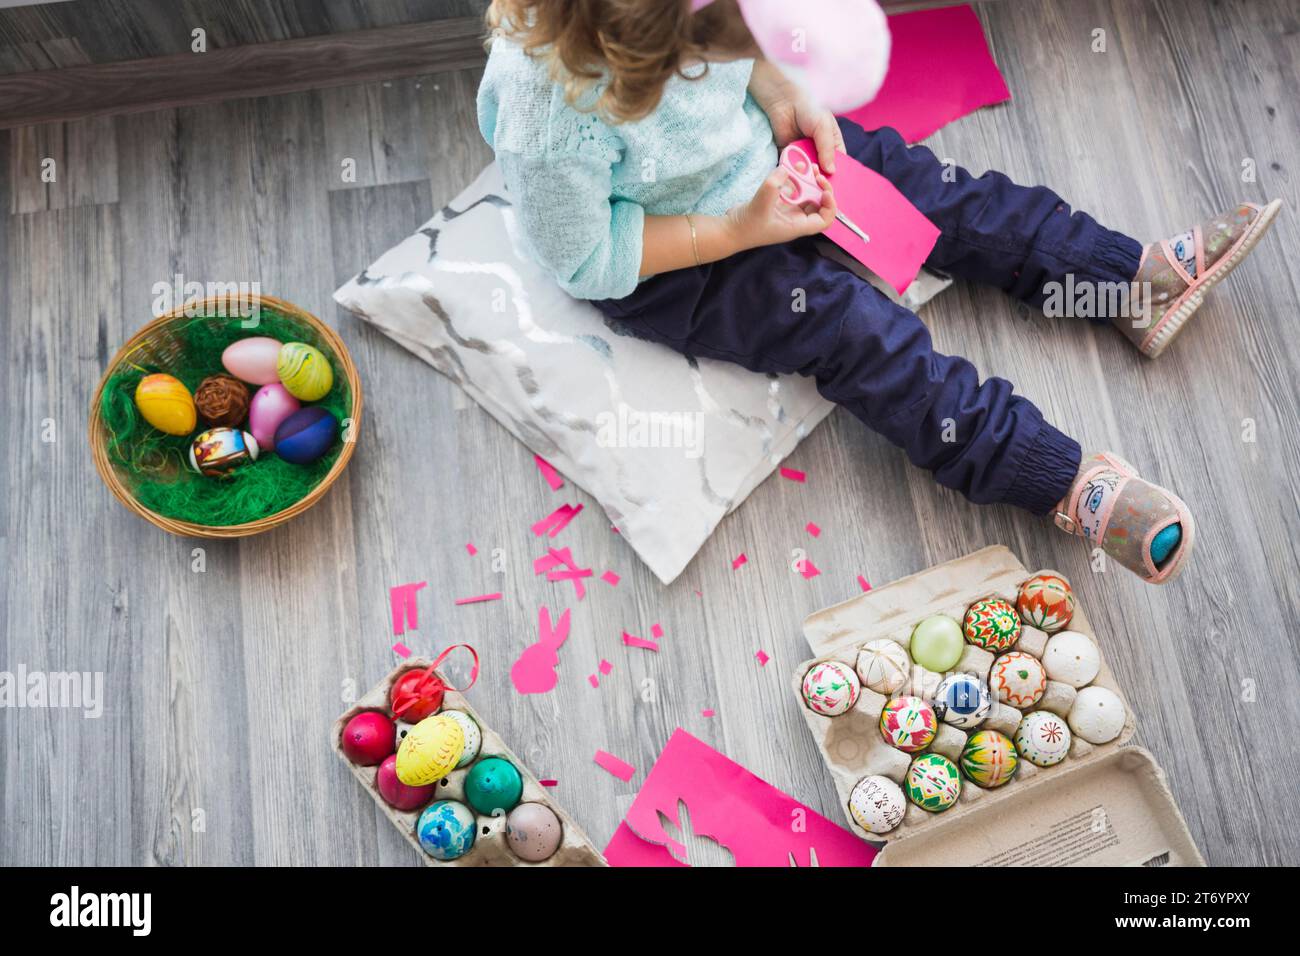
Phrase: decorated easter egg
(430,751)
(533,832)
(989,758)
(446,830)
(877,804)
(992,624)
(416,694)
(1043,738)
(473,735)
(493,785)
(933,782)
(1046,601)
(936,643)
(1097,715)
(1018,679)
(908,723)
(306,435)
(270,406)
(830,688)
(1071,658)
(221,400)
(962,700)
(398,795)
(253,359)
(884,666)
(367,738)
(219,451)
(166,404)
(304,370)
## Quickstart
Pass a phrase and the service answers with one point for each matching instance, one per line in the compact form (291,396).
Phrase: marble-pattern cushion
(667,444)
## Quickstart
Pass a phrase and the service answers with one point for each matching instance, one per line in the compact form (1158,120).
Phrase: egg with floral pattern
(908,723)
(1043,738)
(989,758)
(1046,601)
(1018,679)
(992,624)
(830,688)
(933,783)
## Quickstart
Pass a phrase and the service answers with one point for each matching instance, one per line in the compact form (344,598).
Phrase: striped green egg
(304,371)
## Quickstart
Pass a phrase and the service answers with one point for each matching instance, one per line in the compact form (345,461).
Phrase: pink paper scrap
(610,578)
(762,658)
(656,631)
(404,607)
(471,549)
(862,583)
(809,570)
(737,561)
(619,768)
(752,820)
(793,474)
(549,783)
(479,598)
(593,680)
(813,530)
(545,563)
(534,671)
(557,520)
(631,641)
(940,69)
(605,667)
(568,574)
(549,473)
(707,712)
(401,650)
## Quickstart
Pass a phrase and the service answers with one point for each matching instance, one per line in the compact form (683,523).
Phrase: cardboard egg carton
(1105,804)
(490,845)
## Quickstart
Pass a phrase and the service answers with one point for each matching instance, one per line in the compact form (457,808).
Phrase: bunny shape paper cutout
(534,671)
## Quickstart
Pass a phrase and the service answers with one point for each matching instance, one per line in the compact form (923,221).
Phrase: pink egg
(271,405)
(253,359)
(398,795)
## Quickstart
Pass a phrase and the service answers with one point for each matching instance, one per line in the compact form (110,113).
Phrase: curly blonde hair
(632,46)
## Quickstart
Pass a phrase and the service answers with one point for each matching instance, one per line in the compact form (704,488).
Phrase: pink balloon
(270,406)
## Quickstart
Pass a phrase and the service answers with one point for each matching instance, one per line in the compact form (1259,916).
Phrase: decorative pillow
(667,444)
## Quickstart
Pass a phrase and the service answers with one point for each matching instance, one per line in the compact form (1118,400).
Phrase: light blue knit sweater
(582,187)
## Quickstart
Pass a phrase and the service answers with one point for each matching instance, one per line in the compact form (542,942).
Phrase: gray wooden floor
(220,686)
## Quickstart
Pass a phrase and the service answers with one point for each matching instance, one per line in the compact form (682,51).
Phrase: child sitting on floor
(639,140)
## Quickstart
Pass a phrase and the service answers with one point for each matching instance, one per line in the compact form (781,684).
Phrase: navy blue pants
(875,357)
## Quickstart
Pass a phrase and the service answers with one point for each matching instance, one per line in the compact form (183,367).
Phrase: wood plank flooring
(219,685)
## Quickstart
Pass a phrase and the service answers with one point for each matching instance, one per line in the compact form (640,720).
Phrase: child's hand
(767,219)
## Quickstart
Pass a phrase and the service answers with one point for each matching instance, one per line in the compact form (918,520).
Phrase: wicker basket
(156,344)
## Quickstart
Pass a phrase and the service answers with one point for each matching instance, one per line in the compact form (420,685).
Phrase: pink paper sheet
(862,583)
(640,642)
(940,69)
(794,474)
(479,598)
(738,560)
(762,658)
(813,530)
(757,823)
(901,237)
(610,578)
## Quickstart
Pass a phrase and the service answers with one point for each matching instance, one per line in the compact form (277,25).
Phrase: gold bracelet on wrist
(695,244)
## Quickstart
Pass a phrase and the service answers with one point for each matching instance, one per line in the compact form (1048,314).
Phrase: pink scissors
(802,186)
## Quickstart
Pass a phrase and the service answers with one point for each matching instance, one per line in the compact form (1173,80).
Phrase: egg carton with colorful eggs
(449,783)
(957,689)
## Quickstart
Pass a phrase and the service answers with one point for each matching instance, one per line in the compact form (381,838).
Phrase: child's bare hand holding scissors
(769,218)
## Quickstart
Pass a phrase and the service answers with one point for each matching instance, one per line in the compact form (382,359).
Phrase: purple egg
(270,406)
(306,435)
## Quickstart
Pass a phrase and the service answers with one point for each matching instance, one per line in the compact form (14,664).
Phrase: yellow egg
(166,404)
(304,371)
(430,751)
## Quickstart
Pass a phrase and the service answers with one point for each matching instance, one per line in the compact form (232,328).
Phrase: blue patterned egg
(446,830)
